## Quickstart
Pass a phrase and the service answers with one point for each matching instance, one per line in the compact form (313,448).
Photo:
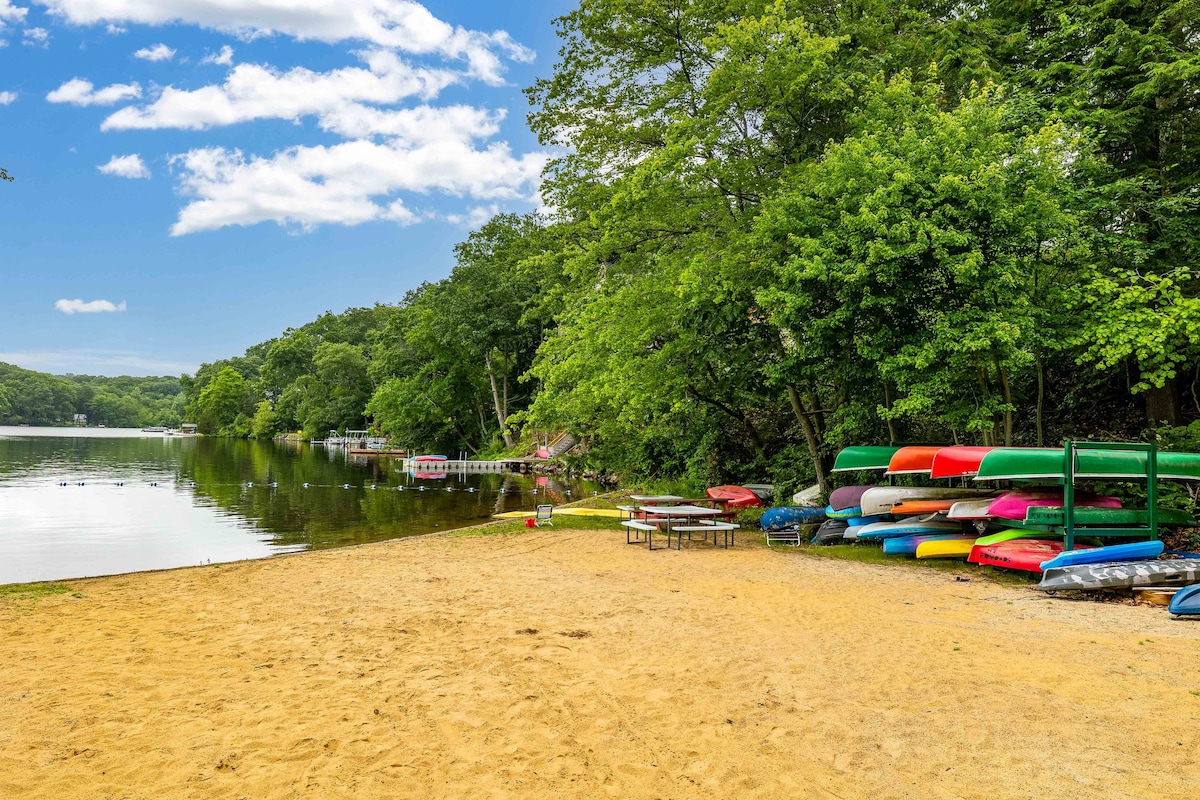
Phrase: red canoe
(734,496)
(957,462)
(1022,554)
(918,458)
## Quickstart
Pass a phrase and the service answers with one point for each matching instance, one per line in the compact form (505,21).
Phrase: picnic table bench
(677,520)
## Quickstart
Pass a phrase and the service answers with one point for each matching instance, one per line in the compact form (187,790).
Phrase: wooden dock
(466,465)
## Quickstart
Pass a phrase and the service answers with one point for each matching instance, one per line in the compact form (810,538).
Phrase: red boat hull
(734,496)
(956,462)
(1023,554)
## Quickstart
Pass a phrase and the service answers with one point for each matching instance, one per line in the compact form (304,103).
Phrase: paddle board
(1173,572)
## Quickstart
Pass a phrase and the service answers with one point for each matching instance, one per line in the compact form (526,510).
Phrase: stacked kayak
(1131,551)
(907,545)
(785,518)
(911,526)
(1025,555)
(734,496)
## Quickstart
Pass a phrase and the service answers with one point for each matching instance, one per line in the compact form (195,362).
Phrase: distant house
(81,420)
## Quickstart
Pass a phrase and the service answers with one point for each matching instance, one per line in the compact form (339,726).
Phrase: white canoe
(970,509)
(880,499)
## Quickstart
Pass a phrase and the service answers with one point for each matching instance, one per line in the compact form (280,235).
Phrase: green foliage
(784,226)
(35,398)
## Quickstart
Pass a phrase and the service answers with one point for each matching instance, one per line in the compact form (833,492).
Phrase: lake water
(137,501)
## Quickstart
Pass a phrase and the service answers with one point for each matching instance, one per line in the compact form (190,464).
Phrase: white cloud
(475,217)
(79,92)
(158,52)
(397,24)
(11,14)
(36,37)
(7,97)
(223,58)
(254,91)
(310,186)
(115,30)
(78,306)
(130,166)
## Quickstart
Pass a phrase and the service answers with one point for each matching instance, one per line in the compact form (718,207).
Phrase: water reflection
(143,501)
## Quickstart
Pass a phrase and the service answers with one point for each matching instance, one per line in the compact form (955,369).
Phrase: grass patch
(875,555)
(564,522)
(26,591)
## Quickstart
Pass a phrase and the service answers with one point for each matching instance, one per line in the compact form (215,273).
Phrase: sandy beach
(564,663)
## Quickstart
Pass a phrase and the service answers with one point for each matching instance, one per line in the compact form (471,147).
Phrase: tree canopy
(776,227)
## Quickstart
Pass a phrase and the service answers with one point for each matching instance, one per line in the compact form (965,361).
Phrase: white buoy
(306,486)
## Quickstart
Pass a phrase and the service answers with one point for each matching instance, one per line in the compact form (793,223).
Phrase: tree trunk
(1008,401)
(810,436)
(1162,404)
(887,403)
(501,408)
(1041,398)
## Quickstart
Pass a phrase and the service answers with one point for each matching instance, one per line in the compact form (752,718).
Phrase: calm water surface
(136,501)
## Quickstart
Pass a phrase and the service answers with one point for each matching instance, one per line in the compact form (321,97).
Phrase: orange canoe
(914,507)
(915,458)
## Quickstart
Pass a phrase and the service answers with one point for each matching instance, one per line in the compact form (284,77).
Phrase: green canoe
(869,457)
(1008,535)
(1107,517)
(1031,463)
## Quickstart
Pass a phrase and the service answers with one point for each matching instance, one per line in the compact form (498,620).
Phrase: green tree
(222,400)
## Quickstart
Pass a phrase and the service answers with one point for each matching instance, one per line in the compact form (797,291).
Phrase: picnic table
(678,519)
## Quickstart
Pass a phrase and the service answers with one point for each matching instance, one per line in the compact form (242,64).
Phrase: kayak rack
(1118,522)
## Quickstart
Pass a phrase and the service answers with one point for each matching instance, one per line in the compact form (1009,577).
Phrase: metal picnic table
(671,516)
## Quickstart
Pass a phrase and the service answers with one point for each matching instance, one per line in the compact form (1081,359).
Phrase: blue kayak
(843,513)
(907,545)
(1186,601)
(1133,551)
(908,527)
(860,521)
(786,517)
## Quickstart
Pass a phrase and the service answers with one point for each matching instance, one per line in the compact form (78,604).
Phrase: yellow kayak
(578,512)
(945,548)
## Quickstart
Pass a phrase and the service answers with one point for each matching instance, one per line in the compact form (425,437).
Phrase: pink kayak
(1014,504)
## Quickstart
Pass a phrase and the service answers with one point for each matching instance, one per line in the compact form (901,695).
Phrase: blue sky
(195,176)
